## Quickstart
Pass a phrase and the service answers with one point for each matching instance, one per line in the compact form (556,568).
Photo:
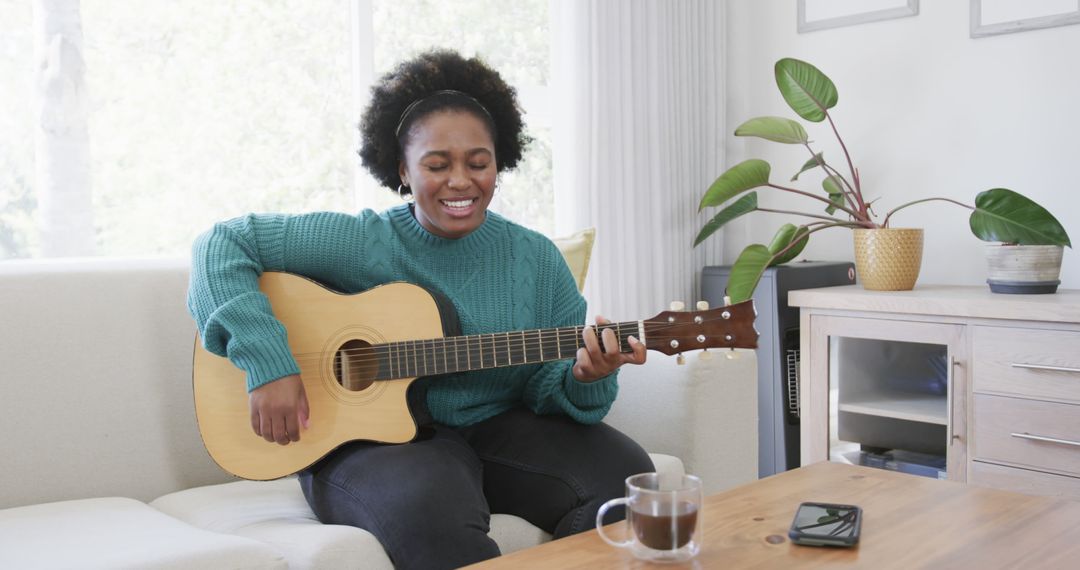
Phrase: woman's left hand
(593,364)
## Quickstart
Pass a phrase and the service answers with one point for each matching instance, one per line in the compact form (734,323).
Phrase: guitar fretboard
(413,358)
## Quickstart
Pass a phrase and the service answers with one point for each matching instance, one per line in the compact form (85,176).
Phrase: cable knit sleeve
(553,388)
(233,317)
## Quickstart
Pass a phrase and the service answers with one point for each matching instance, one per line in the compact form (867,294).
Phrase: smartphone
(825,524)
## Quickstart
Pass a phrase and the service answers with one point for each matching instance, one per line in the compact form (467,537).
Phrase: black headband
(412,106)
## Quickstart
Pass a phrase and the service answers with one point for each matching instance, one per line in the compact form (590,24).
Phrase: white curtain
(638,121)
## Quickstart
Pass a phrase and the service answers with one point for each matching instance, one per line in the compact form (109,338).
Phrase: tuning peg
(705,355)
(677,306)
(703,305)
(680,360)
(727,300)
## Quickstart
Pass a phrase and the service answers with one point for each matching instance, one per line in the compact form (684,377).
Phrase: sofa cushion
(668,465)
(577,250)
(275,512)
(119,533)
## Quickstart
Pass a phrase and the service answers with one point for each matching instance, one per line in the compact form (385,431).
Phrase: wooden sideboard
(1005,408)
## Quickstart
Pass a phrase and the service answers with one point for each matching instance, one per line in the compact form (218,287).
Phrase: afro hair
(412,80)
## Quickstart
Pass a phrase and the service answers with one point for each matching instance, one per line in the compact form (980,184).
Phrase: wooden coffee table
(909,522)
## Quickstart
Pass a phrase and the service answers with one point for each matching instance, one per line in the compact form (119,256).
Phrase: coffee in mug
(662,516)
(664,527)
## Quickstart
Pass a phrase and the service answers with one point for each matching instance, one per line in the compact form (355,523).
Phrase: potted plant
(886,258)
(1028,257)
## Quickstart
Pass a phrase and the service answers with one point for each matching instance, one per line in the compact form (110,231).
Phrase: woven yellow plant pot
(888,259)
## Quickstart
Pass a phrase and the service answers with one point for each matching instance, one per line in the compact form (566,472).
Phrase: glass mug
(663,517)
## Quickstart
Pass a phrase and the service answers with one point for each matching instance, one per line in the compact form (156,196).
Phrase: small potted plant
(886,258)
(1028,257)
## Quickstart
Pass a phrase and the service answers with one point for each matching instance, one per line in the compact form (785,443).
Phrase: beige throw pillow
(577,249)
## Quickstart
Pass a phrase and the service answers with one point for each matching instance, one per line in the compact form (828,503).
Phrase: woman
(524,440)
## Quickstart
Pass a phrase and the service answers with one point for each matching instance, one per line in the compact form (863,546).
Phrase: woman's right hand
(279,409)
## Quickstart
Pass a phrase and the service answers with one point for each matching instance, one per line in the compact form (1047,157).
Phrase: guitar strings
(504,340)
(412,354)
(484,344)
(511,340)
(476,345)
(420,364)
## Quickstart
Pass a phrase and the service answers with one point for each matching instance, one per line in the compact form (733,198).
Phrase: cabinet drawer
(1007,431)
(1026,362)
(1023,480)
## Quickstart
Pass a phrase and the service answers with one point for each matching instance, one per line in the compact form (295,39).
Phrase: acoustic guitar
(358,355)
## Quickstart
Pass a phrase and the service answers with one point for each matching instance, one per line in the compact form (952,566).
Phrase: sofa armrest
(704,412)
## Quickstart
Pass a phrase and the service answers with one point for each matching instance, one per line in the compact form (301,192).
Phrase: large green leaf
(787,234)
(1006,216)
(805,88)
(776,129)
(746,272)
(738,179)
(743,205)
(835,192)
(814,162)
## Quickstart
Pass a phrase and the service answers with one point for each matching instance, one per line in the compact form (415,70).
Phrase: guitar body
(319,323)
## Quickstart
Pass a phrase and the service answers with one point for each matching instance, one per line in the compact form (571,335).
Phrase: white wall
(925,111)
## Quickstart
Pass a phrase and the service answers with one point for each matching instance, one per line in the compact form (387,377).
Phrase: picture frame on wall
(995,17)
(824,14)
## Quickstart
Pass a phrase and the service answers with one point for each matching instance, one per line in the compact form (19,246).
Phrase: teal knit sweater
(501,277)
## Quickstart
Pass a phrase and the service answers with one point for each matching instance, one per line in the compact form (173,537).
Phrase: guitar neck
(413,358)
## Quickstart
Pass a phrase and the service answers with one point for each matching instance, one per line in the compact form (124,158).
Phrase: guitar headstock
(731,326)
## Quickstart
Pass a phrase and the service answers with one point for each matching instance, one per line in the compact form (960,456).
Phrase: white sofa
(103,467)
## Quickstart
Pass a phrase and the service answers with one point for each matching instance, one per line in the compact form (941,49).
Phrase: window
(202,110)
(17,201)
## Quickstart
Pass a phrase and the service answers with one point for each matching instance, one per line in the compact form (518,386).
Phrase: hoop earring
(404,192)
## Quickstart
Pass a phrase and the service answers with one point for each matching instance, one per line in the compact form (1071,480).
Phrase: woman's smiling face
(449,164)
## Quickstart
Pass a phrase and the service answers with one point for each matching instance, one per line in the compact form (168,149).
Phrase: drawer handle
(1045,367)
(953,363)
(1046,439)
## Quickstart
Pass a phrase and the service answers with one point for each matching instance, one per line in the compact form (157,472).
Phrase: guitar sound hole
(355,365)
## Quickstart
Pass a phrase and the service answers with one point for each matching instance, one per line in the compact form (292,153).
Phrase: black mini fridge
(778,350)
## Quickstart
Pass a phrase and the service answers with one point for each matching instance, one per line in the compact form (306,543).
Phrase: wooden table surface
(908,522)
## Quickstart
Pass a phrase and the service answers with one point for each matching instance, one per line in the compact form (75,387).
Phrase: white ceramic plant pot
(1023,269)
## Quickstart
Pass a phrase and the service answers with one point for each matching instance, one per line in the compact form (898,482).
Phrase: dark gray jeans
(430,502)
